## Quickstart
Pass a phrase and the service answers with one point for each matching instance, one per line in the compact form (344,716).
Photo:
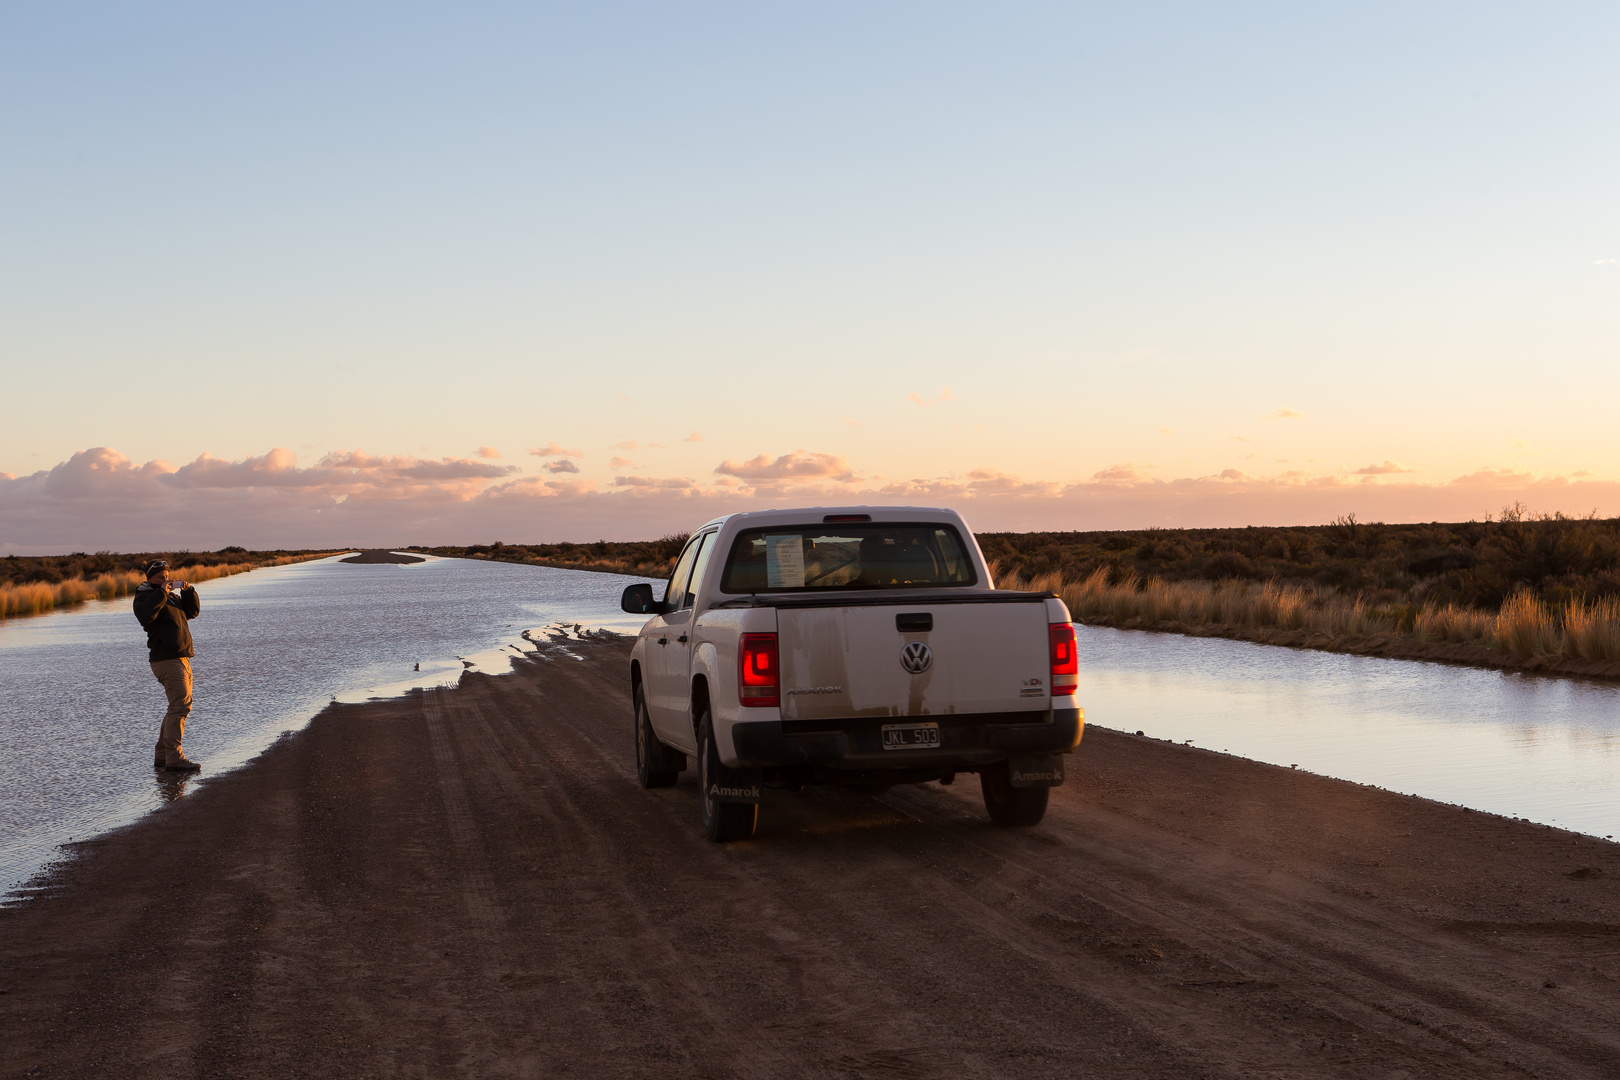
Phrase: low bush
(36,584)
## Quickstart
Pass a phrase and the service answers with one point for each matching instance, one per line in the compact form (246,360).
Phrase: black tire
(723,822)
(1011,807)
(649,751)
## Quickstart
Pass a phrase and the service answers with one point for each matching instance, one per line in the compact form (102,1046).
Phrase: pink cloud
(664,483)
(348,471)
(1388,468)
(551,449)
(797,465)
(100,499)
(944,396)
(694,437)
(617,462)
(488,452)
(628,444)
(563,466)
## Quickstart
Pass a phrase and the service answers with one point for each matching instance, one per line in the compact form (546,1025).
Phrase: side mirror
(638,600)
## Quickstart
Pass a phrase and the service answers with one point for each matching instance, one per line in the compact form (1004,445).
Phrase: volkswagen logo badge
(916,657)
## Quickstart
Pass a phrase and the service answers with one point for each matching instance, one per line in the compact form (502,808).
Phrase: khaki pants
(175,675)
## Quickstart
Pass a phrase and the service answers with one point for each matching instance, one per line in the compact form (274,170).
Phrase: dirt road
(468,882)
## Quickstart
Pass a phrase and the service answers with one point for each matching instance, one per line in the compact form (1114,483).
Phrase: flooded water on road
(80,709)
(1545,749)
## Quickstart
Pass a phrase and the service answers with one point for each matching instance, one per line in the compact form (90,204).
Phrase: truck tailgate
(845,662)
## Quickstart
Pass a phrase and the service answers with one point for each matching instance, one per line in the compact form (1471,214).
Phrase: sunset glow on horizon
(387,275)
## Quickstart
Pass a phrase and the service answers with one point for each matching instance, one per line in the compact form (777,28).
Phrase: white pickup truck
(863,646)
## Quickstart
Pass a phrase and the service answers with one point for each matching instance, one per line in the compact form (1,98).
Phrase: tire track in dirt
(857,999)
(469,882)
(1381,989)
(662,979)
(1381,976)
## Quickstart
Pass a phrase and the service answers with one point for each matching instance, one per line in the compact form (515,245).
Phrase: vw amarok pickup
(863,646)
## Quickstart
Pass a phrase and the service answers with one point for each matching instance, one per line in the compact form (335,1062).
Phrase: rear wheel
(722,821)
(1009,806)
(649,751)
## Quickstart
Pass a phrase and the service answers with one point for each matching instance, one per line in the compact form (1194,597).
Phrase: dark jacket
(165,616)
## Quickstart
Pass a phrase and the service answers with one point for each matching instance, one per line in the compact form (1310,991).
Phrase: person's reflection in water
(173,786)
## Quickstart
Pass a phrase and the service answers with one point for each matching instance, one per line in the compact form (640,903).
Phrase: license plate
(910,736)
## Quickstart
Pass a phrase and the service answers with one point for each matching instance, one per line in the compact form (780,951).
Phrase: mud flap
(1035,770)
(736,785)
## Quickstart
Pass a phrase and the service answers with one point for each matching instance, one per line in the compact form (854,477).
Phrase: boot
(181,763)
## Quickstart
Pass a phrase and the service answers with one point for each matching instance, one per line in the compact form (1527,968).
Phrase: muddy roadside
(468,882)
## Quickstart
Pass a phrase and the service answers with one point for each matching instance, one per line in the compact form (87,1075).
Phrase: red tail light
(757,684)
(1065,663)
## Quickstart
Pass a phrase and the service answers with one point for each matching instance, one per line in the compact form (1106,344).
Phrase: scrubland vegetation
(1527,587)
(1524,626)
(639,558)
(33,585)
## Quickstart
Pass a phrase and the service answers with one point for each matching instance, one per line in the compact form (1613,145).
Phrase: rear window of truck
(846,556)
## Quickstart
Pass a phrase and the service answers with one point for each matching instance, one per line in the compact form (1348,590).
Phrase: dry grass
(1592,631)
(1524,626)
(1203,603)
(39,598)
(1459,625)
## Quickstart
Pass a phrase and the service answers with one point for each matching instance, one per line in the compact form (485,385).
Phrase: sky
(384,274)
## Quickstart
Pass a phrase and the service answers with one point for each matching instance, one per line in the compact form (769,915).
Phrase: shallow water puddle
(274,647)
(1545,749)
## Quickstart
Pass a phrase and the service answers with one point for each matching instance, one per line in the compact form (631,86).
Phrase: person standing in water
(165,609)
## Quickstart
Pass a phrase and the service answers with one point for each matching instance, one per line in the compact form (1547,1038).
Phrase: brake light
(1065,663)
(757,684)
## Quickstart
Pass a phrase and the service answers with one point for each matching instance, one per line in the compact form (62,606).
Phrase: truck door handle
(681,639)
(663,641)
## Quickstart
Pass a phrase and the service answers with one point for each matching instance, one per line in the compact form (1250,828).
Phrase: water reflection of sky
(1540,748)
(79,714)
(80,709)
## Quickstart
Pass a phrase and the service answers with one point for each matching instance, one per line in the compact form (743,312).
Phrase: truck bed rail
(878,597)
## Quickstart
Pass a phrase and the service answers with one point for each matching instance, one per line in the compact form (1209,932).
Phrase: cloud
(348,471)
(1285,414)
(1240,438)
(856,424)
(1166,431)
(563,466)
(694,437)
(944,395)
(1496,478)
(1388,468)
(620,463)
(794,466)
(488,452)
(628,444)
(657,446)
(551,449)
(654,482)
(1604,262)
(100,499)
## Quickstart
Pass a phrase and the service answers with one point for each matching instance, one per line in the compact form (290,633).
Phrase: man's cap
(155,565)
